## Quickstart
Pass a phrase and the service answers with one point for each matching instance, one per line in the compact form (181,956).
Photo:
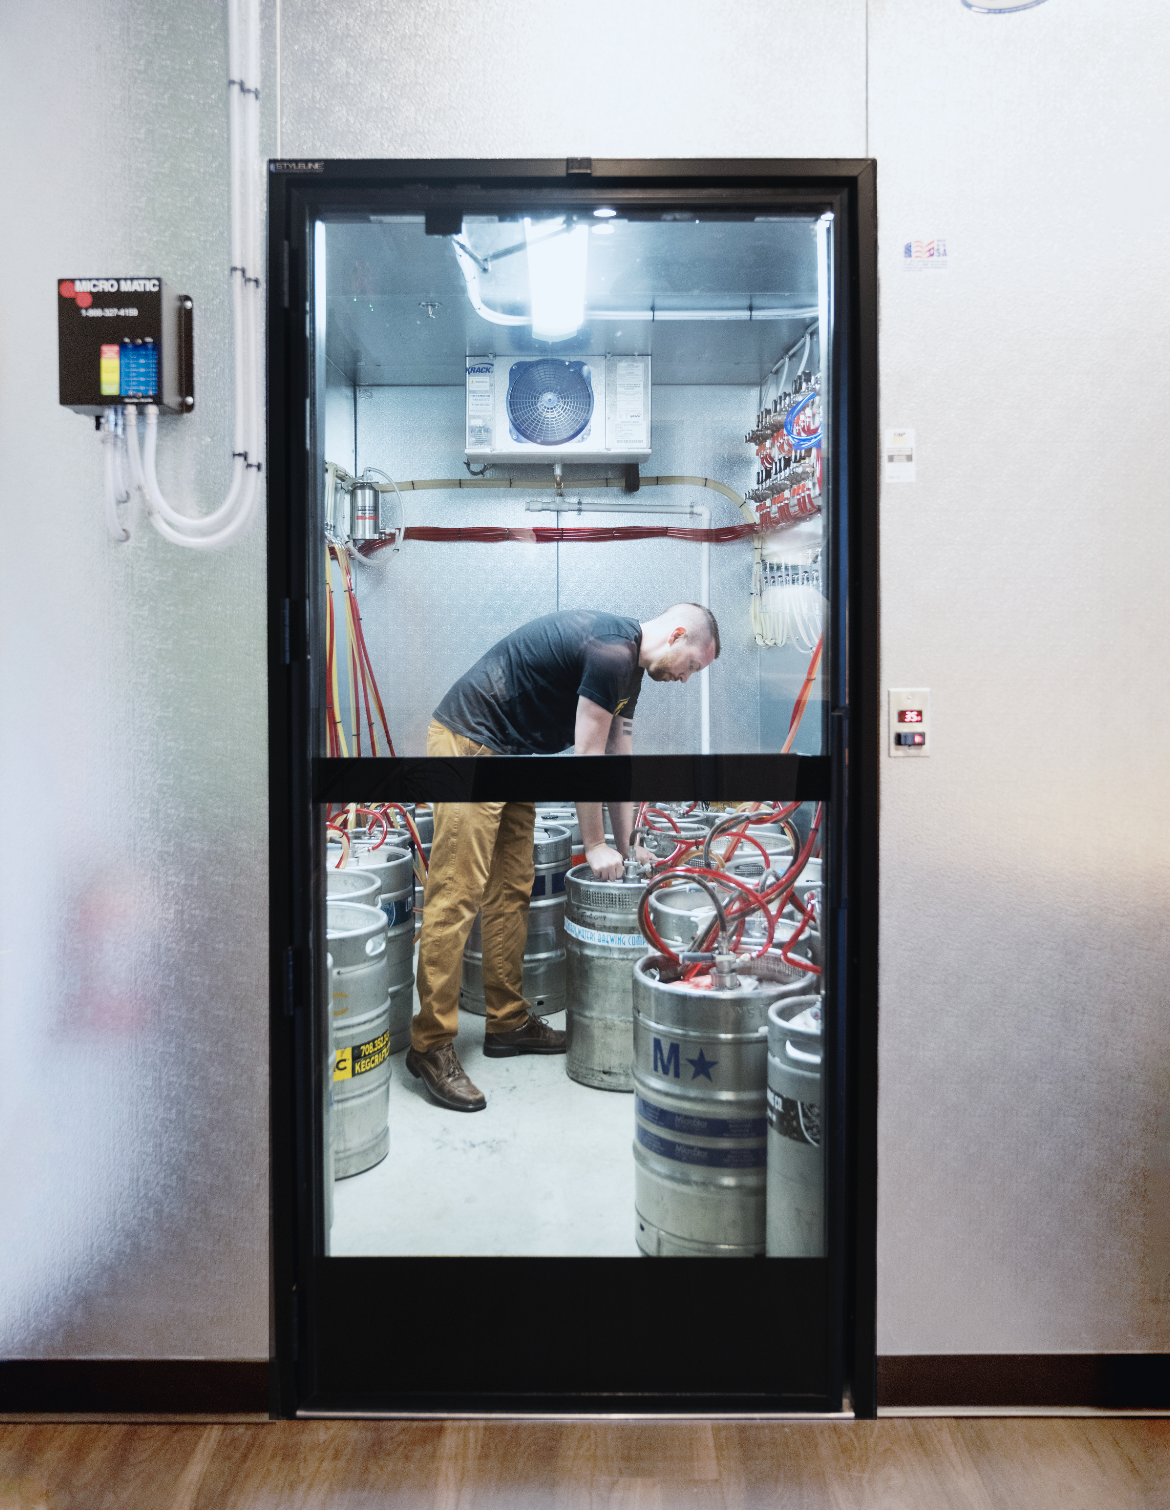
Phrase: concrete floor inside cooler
(546,1169)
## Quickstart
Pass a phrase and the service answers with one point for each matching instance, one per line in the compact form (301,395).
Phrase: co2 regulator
(124,341)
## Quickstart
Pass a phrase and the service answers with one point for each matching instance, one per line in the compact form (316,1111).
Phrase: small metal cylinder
(364,508)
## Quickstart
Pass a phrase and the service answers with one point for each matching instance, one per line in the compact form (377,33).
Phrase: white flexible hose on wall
(113,489)
(208,531)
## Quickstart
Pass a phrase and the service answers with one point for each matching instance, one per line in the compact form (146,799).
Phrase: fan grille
(550,402)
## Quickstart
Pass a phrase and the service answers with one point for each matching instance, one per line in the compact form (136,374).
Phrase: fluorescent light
(604,214)
(557,262)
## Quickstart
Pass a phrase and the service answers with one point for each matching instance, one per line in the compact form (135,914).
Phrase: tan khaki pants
(481,859)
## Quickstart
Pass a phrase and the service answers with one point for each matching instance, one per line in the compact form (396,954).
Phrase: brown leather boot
(445,1078)
(532,1037)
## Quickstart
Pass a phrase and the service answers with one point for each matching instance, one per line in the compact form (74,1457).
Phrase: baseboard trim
(969,1381)
(1097,1381)
(133,1387)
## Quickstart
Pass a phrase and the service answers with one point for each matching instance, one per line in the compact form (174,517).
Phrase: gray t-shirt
(520,698)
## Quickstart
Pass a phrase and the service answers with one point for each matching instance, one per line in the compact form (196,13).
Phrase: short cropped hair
(711,623)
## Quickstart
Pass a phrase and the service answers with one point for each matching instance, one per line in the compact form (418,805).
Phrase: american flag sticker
(919,255)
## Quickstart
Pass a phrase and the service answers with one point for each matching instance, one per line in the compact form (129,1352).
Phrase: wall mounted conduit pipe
(207,531)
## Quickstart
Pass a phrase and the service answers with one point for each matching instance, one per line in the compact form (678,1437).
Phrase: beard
(660,670)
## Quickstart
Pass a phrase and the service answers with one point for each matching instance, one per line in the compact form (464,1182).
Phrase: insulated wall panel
(133,782)
(1025,1036)
(437,79)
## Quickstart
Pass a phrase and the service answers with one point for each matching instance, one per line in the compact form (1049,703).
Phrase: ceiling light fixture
(558,255)
(1001,10)
(605,214)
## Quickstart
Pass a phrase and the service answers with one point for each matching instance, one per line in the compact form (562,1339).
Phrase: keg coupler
(634,870)
(723,962)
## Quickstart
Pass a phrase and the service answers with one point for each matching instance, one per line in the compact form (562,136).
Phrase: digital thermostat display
(910,715)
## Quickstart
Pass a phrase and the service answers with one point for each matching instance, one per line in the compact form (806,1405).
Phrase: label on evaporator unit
(480,403)
(626,404)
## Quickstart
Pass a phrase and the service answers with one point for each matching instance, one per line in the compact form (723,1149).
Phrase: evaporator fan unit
(550,402)
(549,410)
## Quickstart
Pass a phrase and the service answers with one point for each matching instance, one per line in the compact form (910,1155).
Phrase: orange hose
(803,696)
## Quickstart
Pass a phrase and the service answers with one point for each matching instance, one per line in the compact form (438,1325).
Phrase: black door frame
(307,1305)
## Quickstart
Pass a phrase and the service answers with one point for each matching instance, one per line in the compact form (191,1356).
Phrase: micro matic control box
(124,340)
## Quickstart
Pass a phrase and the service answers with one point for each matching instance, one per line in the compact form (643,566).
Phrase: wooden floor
(915,1464)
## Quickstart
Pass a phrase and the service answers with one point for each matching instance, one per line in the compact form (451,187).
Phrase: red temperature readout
(910,716)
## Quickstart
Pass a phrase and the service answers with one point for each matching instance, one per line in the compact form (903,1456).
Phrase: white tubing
(109,443)
(203,532)
(153,498)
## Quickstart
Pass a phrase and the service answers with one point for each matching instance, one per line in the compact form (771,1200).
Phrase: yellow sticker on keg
(362,1057)
(368,1056)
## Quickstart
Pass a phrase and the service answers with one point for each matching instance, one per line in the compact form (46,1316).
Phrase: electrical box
(910,721)
(124,341)
(548,409)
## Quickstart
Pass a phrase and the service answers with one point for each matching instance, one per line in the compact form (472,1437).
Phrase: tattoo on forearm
(627,726)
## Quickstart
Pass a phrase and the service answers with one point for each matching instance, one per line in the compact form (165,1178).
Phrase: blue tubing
(804,442)
(790,417)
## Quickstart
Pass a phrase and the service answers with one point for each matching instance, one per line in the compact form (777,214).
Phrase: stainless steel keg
(356,937)
(746,860)
(682,912)
(394,870)
(325,1040)
(353,885)
(564,815)
(700,1120)
(795,1184)
(679,912)
(604,940)
(544,947)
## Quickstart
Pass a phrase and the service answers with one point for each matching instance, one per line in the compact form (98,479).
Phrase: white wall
(133,734)
(1024,1046)
(1026,865)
